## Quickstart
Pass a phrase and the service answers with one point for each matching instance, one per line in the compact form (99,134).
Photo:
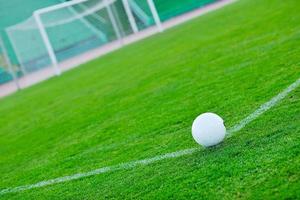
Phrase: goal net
(57,33)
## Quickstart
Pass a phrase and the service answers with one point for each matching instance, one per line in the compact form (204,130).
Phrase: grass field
(140,101)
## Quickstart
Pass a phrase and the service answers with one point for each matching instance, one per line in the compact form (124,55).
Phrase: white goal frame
(37,16)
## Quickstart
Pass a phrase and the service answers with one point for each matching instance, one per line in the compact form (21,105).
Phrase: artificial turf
(140,101)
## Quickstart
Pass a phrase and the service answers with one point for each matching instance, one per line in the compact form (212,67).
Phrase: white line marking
(122,166)
(129,165)
(263,108)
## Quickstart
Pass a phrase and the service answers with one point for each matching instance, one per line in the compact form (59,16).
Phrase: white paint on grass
(263,108)
(122,166)
(129,165)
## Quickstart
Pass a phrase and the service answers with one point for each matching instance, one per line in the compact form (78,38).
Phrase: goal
(63,31)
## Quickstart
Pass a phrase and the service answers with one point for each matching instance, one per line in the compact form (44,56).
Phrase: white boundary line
(129,165)
(263,108)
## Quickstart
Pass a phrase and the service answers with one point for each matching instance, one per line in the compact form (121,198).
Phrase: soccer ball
(208,129)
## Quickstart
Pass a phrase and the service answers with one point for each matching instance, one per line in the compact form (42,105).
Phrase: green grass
(140,101)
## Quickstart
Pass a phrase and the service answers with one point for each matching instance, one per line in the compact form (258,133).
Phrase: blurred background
(72,28)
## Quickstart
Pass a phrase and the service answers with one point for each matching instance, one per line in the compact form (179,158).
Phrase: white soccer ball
(208,129)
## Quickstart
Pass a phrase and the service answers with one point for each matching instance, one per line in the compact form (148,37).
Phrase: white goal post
(62,31)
